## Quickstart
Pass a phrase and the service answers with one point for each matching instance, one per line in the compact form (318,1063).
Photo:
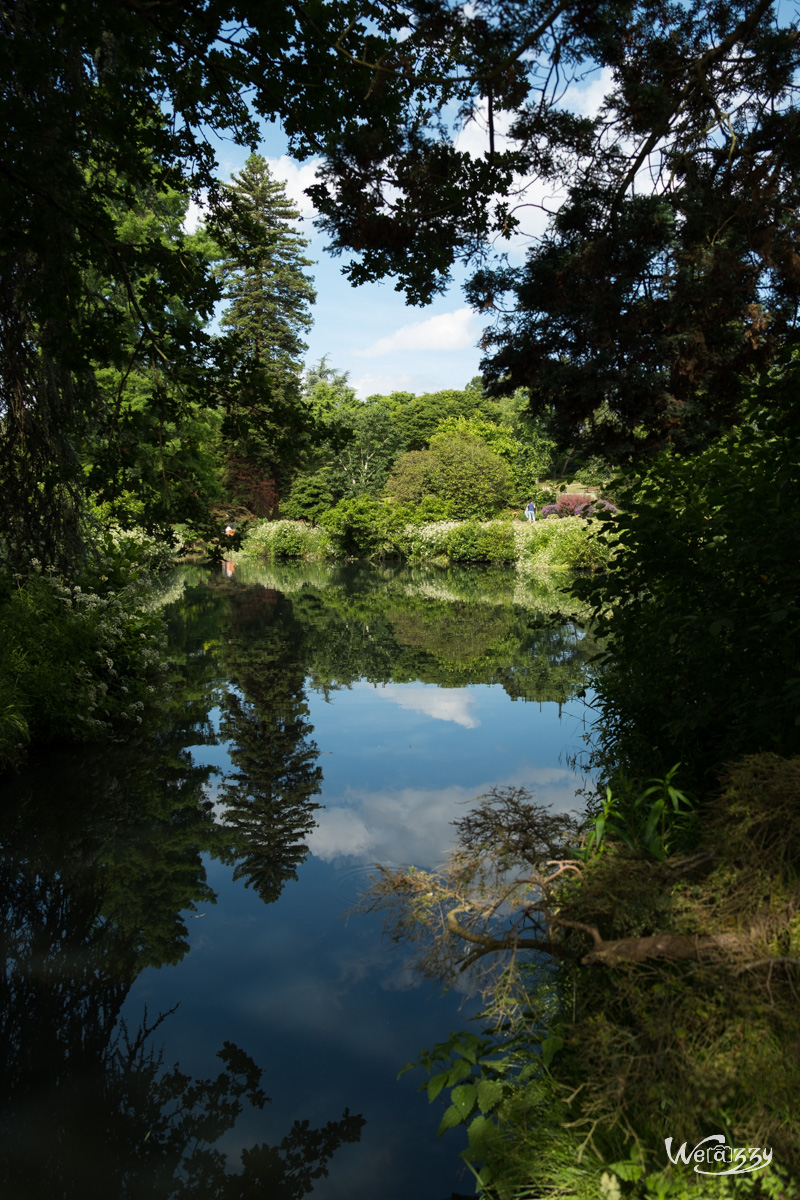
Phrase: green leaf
(435,1085)
(451,1118)
(490,1092)
(630,1170)
(463,1098)
(459,1070)
(482,1133)
(469,1047)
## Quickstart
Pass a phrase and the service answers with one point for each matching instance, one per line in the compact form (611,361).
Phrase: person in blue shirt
(530,511)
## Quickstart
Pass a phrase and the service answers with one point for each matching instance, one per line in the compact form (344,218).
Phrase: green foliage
(458,469)
(261,269)
(465,541)
(468,473)
(310,497)
(75,663)
(568,543)
(526,452)
(150,454)
(115,110)
(268,540)
(368,528)
(654,820)
(362,466)
(411,477)
(701,596)
(327,390)
(267,426)
(358,527)
(417,417)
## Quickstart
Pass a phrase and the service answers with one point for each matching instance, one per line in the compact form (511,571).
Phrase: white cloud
(296,177)
(447,331)
(443,704)
(586,99)
(532,200)
(415,825)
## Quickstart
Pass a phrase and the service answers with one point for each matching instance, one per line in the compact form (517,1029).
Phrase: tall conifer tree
(263,272)
(263,277)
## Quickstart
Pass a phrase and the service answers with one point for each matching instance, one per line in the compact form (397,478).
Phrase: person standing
(530,511)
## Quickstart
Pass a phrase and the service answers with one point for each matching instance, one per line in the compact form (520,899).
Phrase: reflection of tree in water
(94,874)
(268,802)
(383,636)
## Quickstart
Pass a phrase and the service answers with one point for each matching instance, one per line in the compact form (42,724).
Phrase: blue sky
(369,331)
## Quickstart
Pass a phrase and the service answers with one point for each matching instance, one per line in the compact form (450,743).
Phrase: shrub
(701,605)
(578,506)
(74,663)
(467,472)
(471,541)
(358,527)
(285,539)
(567,544)
(410,477)
(310,497)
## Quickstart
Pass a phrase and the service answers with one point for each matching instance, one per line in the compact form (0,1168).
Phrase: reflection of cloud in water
(443,704)
(415,825)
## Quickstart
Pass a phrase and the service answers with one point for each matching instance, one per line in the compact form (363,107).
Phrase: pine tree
(267,423)
(262,273)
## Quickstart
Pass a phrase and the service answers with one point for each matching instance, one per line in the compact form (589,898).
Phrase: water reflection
(108,856)
(267,805)
(97,874)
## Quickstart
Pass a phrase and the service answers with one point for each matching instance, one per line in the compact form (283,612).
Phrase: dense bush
(74,663)
(365,528)
(411,476)
(310,497)
(568,544)
(578,506)
(472,476)
(464,541)
(285,539)
(701,605)
(458,469)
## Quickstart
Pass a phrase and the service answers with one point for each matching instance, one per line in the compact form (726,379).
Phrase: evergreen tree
(262,276)
(262,273)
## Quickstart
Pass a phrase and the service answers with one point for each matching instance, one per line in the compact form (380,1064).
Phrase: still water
(185,895)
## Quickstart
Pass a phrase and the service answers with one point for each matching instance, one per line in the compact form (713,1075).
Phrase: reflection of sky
(443,704)
(323,1004)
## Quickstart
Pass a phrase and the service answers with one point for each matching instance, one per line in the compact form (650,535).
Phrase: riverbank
(561,544)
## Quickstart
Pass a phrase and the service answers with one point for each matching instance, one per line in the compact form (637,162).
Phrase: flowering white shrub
(285,539)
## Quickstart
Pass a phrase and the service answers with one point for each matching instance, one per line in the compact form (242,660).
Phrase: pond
(175,908)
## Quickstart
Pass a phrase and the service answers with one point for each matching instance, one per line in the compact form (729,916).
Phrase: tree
(467,472)
(459,468)
(327,390)
(418,417)
(671,265)
(262,271)
(104,104)
(262,276)
(362,466)
(150,453)
(702,596)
